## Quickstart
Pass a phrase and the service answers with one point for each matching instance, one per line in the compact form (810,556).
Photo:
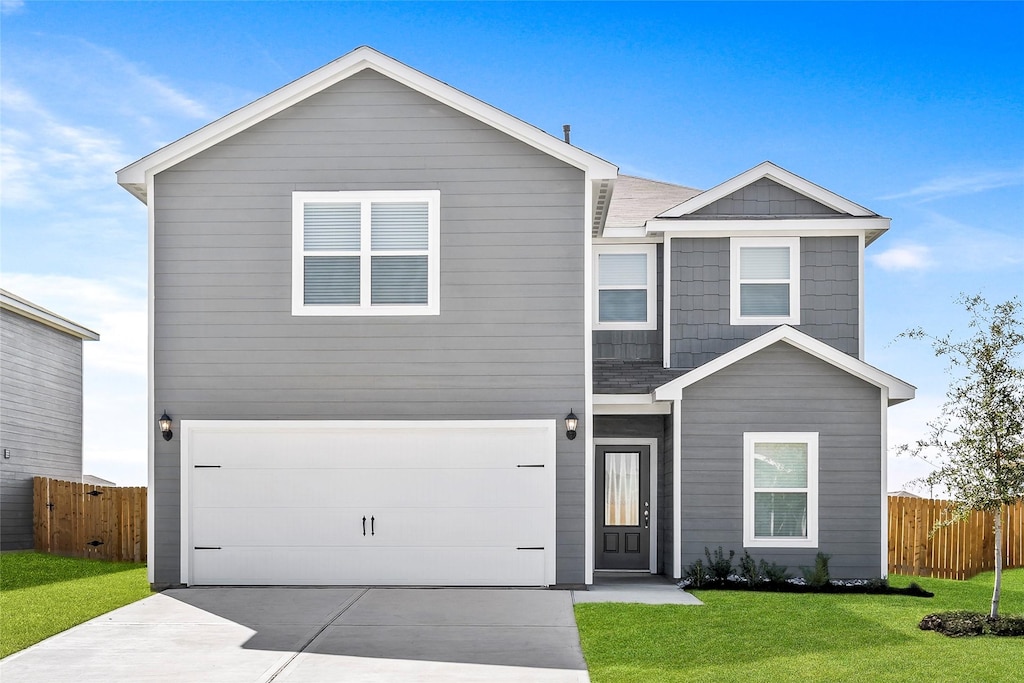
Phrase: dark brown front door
(623,507)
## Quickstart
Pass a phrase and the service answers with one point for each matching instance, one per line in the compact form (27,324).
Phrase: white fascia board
(629,404)
(27,309)
(637,235)
(737,227)
(780,175)
(898,390)
(132,177)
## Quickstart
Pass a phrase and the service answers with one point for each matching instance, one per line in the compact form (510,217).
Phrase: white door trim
(189,428)
(652,444)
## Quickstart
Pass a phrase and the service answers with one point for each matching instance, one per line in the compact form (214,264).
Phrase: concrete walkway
(650,589)
(317,635)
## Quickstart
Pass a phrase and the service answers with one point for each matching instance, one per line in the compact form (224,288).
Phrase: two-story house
(405,338)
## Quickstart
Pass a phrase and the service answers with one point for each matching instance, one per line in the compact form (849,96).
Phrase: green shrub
(817,577)
(720,566)
(774,574)
(748,570)
(696,575)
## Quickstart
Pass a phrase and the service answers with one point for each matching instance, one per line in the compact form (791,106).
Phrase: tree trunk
(998,526)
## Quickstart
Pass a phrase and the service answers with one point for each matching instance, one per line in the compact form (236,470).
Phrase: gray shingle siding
(40,417)
(508,343)
(782,389)
(765,197)
(829,293)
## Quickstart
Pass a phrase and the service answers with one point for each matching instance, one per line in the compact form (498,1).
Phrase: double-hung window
(764,280)
(626,287)
(365,253)
(780,489)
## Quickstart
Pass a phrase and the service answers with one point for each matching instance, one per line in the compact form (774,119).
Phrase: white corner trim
(884,493)
(653,455)
(355,61)
(677,494)
(860,296)
(811,440)
(150,382)
(780,175)
(898,389)
(666,303)
(588,387)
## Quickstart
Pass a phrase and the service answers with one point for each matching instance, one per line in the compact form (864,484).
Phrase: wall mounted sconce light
(165,426)
(571,422)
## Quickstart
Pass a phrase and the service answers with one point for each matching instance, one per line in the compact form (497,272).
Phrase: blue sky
(913,110)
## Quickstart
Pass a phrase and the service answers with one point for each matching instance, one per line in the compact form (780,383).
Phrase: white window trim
(809,438)
(649,250)
(433,199)
(735,244)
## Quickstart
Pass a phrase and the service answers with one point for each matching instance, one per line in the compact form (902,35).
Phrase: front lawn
(747,636)
(41,595)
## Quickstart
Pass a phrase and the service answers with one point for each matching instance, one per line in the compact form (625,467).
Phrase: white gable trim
(780,175)
(133,176)
(898,390)
(27,309)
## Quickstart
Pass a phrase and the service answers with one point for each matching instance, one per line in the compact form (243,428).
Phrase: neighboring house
(375,299)
(96,481)
(40,408)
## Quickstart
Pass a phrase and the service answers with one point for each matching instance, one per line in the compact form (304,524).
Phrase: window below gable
(365,253)
(626,294)
(764,281)
(780,489)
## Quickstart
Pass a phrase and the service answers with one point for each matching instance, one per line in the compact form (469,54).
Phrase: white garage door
(379,503)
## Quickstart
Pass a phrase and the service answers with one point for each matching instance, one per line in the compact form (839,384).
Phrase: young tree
(979,434)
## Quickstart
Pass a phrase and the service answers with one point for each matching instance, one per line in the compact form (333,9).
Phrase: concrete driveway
(317,635)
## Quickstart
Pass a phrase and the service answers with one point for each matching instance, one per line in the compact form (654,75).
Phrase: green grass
(41,595)
(750,637)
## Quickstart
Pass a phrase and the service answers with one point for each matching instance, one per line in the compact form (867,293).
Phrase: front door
(623,509)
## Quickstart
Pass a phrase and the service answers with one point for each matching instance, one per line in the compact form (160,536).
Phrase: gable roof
(133,177)
(27,309)
(843,214)
(899,390)
(637,200)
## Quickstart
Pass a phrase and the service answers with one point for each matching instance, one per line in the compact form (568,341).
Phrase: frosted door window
(621,489)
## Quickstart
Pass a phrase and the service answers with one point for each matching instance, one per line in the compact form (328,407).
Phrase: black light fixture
(571,422)
(165,426)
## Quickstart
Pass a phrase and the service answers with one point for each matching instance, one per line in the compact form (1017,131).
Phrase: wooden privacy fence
(957,551)
(81,520)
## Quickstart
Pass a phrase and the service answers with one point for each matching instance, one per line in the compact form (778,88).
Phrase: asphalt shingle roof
(613,376)
(637,200)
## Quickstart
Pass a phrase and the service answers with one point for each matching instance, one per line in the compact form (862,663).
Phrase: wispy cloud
(904,257)
(954,185)
(11,6)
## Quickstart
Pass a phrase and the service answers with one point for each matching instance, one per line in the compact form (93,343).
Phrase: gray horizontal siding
(40,417)
(829,294)
(508,343)
(767,392)
(634,344)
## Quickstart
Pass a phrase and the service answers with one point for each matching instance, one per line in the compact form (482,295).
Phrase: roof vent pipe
(565,131)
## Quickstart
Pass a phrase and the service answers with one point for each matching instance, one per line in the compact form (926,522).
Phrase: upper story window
(365,253)
(626,283)
(764,280)
(780,489)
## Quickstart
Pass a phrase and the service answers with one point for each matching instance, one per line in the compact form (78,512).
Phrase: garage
(453,503)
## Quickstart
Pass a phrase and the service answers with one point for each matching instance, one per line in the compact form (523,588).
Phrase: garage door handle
(371,525)
(364,525)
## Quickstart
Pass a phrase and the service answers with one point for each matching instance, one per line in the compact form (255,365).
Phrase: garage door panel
(375,566)
(297,527)
(450,503)
(342,448)
(419,487)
